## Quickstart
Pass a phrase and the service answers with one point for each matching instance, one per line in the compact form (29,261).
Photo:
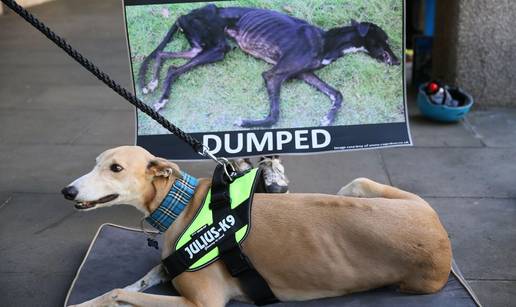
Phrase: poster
(259,77)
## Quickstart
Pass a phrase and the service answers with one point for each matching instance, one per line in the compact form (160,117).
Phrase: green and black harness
(217,230)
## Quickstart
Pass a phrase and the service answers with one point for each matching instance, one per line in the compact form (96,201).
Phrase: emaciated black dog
(293,46)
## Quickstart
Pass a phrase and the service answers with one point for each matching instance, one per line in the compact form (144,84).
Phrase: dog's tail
(152,55)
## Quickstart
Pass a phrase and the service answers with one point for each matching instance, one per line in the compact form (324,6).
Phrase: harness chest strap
(220,225)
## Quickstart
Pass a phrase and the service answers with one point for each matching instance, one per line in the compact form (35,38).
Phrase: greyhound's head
(359,37)
(123,175)
(375,42)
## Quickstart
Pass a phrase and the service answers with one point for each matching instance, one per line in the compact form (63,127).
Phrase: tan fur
(306,246)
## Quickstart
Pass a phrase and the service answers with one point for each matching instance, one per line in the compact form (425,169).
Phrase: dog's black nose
(70,192)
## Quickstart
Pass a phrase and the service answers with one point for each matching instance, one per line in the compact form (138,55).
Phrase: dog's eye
(116,168)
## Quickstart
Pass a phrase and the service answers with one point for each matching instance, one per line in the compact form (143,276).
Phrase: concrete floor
(55,118)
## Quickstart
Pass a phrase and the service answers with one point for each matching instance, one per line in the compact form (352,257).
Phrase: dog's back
(304,243)
(269,35)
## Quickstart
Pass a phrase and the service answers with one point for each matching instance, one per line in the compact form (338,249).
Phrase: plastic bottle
(436,93)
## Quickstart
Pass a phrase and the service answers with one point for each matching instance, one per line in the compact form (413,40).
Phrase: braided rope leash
(102,76)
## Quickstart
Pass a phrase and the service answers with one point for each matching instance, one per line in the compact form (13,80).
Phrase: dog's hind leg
(206,57)
(155,276)
(333,94)
(163,55)
(145,64)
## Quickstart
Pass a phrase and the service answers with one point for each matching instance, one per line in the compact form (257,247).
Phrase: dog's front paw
(159,105)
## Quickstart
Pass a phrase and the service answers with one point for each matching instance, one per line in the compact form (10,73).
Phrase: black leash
(102,76)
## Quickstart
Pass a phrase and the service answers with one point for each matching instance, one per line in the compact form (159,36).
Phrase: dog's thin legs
(121,297)
(335,95)
(163,55)
(145,64)
(206,57)
(273,82)
(155,276)
(367,188)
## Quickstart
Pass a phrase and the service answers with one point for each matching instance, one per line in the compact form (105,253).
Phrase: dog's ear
(159,167)
(361,27)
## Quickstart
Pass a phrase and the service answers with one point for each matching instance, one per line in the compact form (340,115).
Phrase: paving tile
(73,97)
(427,133)
(109,128)
(22,126)
(496,127)
(464,172)
(328,173)
(18,95)
(49,228)
(31,289)
(5,198)
(482,232)
(50,75)
(43,241)
(495,293)
(17,56)
(44,168)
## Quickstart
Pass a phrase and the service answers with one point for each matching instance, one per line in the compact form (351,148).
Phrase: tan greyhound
(306,246)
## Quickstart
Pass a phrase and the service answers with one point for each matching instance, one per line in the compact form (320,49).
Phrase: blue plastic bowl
(441,112)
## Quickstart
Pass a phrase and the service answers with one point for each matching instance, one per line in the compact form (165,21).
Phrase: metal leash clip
(229,169)
(206,153)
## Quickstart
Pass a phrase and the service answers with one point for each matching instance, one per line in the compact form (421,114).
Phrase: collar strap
(174,203)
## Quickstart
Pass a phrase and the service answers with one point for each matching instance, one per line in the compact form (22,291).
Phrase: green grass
(213,97)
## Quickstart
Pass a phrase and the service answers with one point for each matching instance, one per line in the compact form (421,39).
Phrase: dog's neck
(180,192)
(341,41)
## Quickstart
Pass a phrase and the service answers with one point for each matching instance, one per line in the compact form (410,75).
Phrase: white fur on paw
(325,121)
(159,105)
(239,122)
(153,85)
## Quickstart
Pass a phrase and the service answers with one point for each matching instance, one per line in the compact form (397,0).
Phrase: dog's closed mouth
(90,204)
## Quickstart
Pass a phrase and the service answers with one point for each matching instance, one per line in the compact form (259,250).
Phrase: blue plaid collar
(174,203)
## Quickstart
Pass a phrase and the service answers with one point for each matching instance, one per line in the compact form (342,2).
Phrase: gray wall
(475,48)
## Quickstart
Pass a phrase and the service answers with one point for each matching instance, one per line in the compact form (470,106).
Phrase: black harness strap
(179,261)
(230,252)
(237,263)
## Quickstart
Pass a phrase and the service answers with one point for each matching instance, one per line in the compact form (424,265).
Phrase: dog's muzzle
(390,59)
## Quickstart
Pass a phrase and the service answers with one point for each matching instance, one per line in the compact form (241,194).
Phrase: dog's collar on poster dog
(174,203)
